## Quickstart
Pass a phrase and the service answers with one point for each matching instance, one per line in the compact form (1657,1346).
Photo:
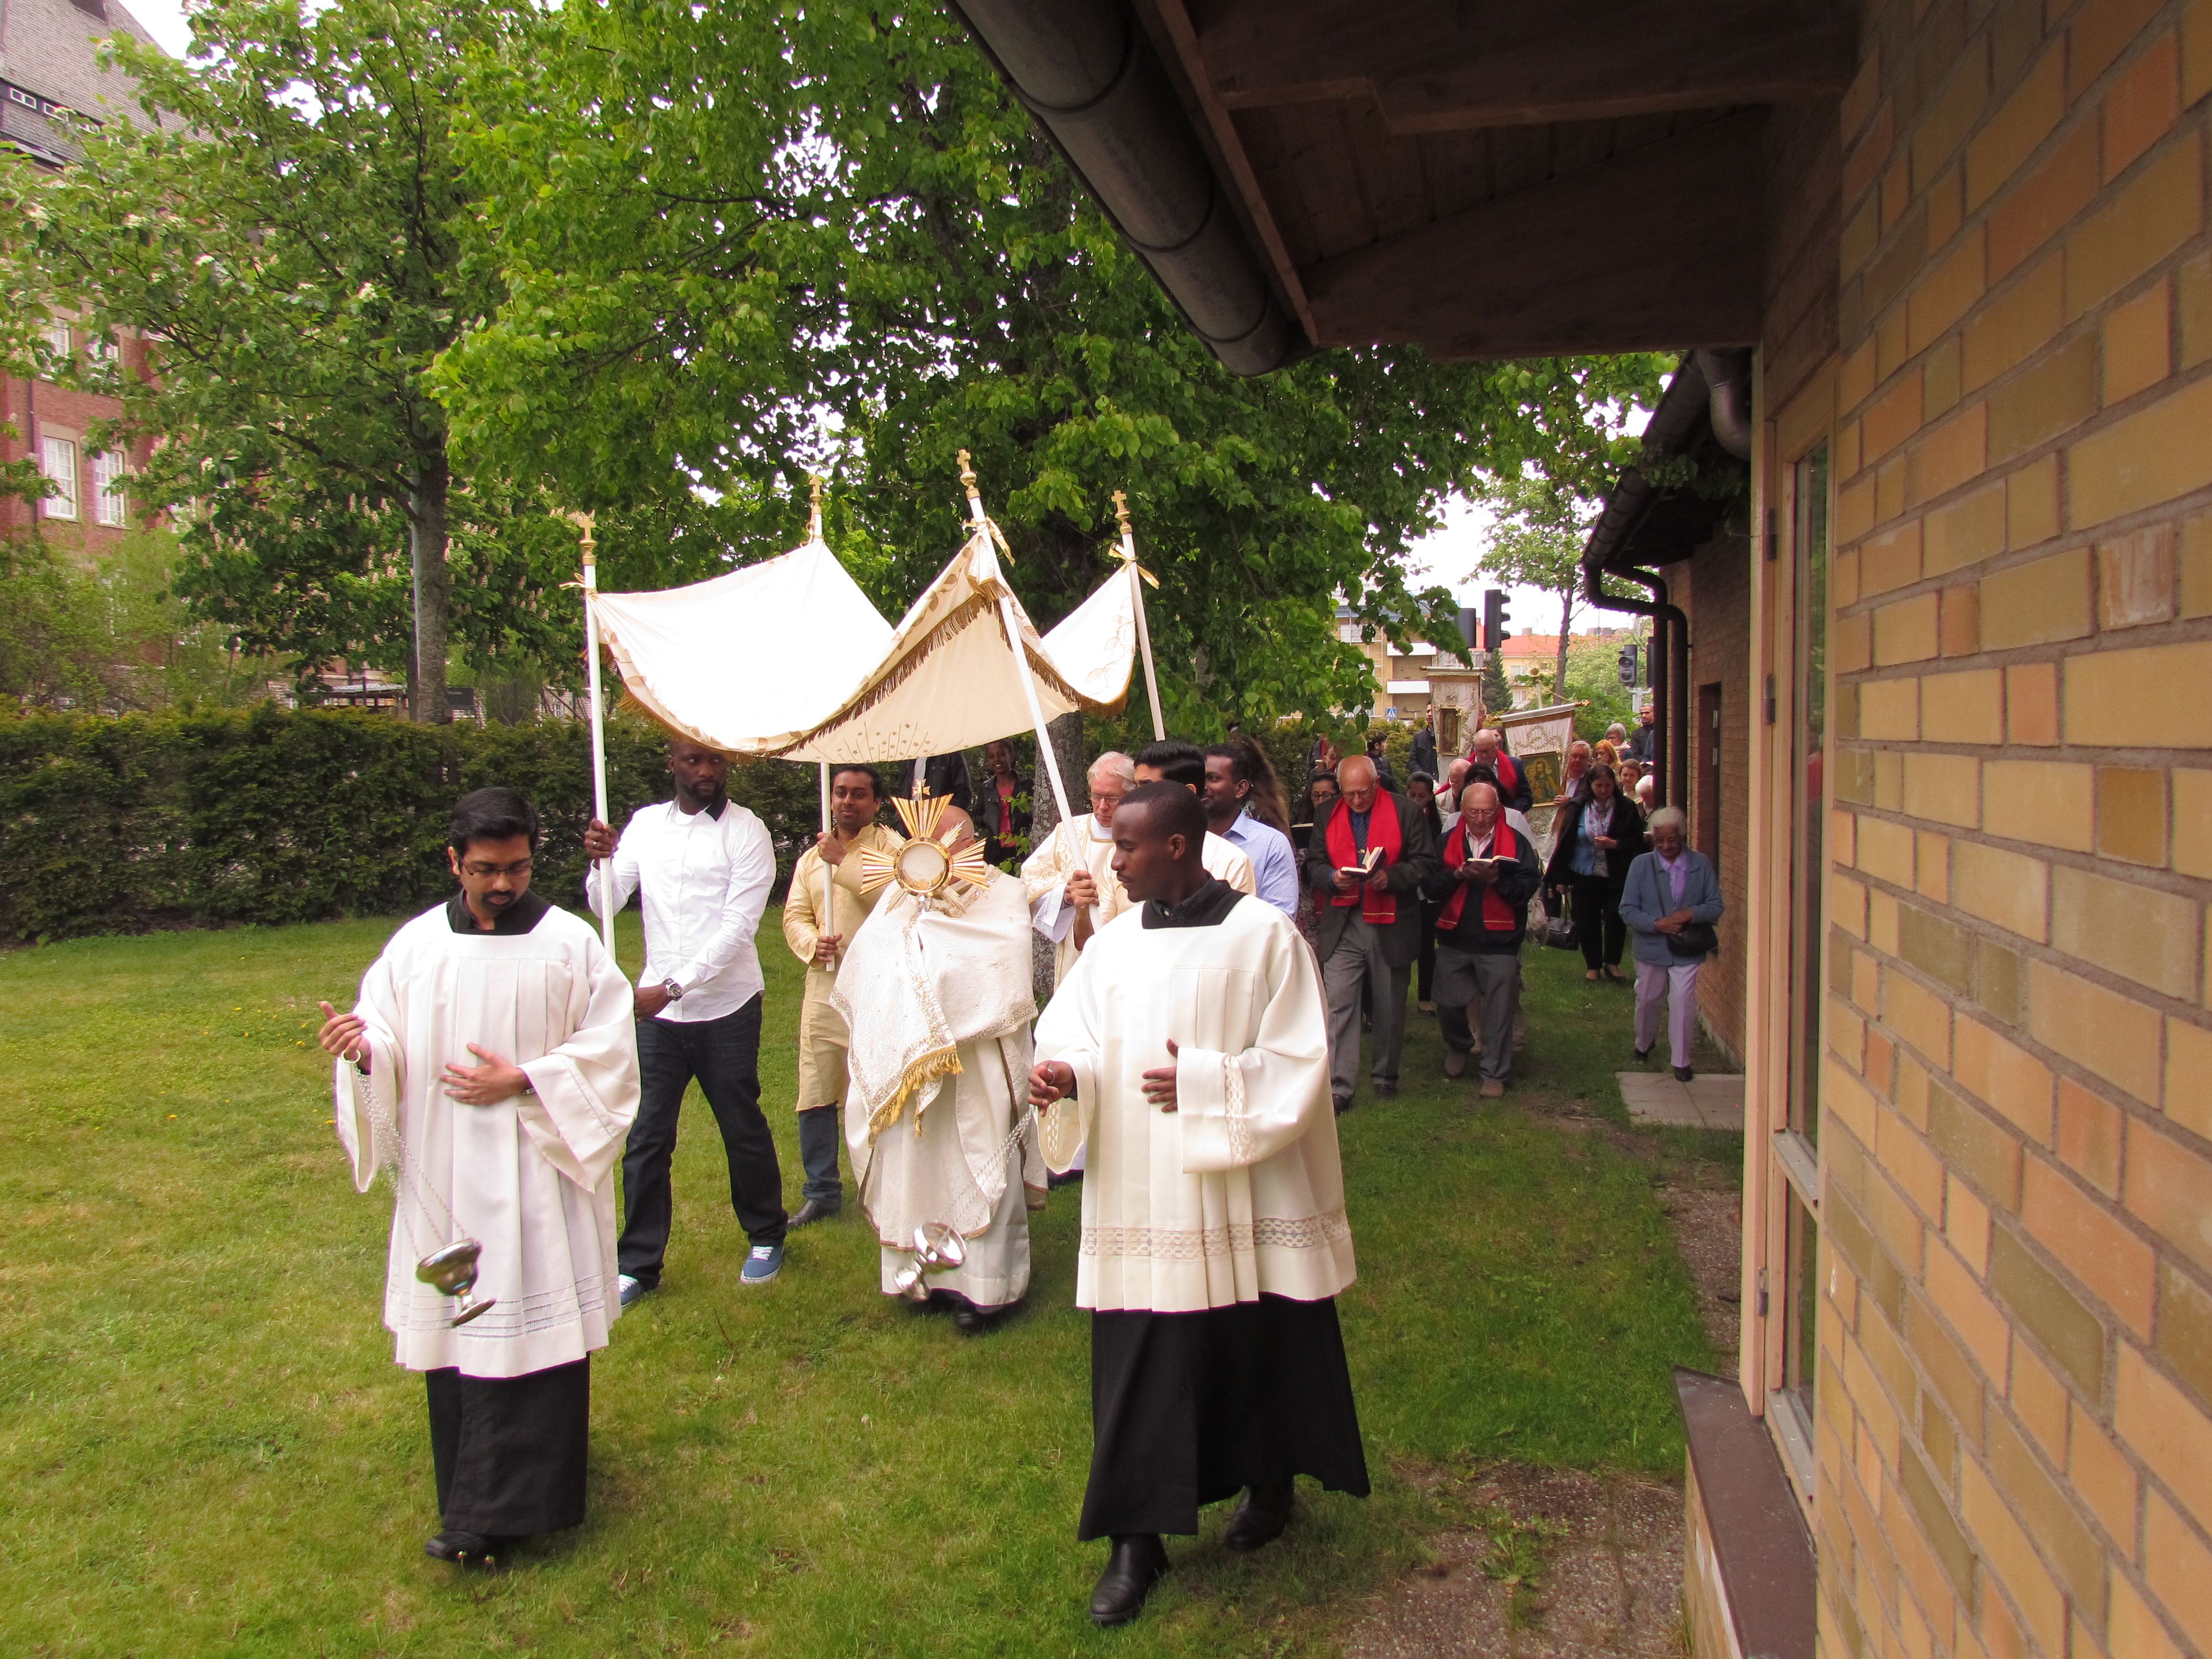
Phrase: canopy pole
(828,826)
(1138,577)
(829,877)
(1013,627)
(606,867)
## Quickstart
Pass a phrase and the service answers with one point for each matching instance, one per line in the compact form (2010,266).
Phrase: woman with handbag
(1670,901)
(1599,835)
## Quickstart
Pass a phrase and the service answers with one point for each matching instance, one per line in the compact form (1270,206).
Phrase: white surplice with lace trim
(528,1177)
(1237,1192)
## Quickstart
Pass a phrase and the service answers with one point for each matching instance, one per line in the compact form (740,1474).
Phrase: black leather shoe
(969,1319)
(463,1549)
(1683,1074)
(1386,1091)
(1642,1055)
(1261,1516)
(812,1210)
(1137,1563)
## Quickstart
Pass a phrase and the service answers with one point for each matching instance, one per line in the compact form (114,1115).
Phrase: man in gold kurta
(856,795)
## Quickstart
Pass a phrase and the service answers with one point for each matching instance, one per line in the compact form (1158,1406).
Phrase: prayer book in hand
(1366,866)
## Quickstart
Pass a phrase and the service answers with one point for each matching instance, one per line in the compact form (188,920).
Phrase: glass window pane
(1800,1303)
(108,505)
(1809,743)
(58,460)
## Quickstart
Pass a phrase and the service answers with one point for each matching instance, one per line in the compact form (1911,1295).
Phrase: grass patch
(207,1448)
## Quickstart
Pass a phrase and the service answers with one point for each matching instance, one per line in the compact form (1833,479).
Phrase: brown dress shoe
(1454,1062)
(1491,1088)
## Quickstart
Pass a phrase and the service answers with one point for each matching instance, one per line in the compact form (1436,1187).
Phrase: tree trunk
(1067,735)
(425,552)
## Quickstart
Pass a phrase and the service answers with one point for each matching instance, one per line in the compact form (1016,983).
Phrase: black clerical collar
(519,917)
(1203,908)
(714,811)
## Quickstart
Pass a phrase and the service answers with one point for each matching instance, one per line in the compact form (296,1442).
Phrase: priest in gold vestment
(935,992)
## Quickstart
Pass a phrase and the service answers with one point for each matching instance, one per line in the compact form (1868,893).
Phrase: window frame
(110,467)
(1782,1168)
(68,476)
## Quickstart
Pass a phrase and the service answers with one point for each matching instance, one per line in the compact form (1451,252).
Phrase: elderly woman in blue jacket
(1670,903)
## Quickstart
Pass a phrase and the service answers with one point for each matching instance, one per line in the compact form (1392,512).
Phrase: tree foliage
(742,237)
(289,220)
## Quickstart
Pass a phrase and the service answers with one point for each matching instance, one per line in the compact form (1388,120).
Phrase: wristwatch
(675,991)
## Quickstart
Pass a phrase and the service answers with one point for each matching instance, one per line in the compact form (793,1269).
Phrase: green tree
(290,223)
(1535,539)
(828,236)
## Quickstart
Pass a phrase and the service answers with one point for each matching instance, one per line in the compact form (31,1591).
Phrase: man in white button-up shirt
(704,865)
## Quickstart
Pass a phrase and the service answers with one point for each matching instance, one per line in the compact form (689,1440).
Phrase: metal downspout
(1670,668)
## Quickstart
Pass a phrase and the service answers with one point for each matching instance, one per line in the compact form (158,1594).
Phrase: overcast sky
(1447,558)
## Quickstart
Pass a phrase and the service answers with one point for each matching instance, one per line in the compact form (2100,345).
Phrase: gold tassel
(941,1063)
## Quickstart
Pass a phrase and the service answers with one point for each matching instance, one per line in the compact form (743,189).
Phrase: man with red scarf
(1368,925)
(1489,873)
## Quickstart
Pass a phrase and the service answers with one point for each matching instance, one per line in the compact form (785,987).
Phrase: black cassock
(1188,1408)
(510,1450)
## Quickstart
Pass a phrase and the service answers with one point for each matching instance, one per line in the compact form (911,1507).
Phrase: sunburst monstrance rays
(922,864)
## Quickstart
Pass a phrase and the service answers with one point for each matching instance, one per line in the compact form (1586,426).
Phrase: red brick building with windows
(1951,261)
(48,65)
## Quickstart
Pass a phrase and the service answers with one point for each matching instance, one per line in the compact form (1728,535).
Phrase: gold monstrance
(922,864)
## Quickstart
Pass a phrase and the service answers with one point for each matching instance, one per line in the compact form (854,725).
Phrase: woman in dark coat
(1597,836)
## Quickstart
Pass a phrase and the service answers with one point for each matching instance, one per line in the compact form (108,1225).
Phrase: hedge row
(270,815)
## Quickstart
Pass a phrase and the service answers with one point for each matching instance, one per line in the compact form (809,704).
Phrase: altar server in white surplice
(494,1042)
(1190,1047)
(1073,891)
(936,996)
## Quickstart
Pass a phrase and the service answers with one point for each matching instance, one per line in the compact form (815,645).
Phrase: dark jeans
(1598,925)
(1424,965)
(821,1130)
(723,1055)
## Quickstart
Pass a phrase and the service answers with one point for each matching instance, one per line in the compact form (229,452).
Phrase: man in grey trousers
(1370,852)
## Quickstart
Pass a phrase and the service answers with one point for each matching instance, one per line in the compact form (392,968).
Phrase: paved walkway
(1702,1102)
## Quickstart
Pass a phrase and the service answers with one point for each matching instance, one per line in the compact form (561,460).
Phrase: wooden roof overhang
(1498,179)
(1688,487)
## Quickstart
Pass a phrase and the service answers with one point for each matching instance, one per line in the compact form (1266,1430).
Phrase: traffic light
(1628,663)
(1494,619)
(1468,624)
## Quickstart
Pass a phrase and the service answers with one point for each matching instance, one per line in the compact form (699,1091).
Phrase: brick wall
(33,410)
(2015,1402)
(1713,587)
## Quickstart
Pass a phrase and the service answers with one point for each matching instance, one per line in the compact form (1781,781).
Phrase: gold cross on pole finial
(583,521)
(1127,550)
(814,515)
(967,478)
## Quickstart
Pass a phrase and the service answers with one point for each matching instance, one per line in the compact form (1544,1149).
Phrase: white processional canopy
(951,680)
(789,659)
(748,662)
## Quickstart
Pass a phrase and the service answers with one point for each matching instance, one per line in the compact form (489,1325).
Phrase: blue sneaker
(632,1288)
(762,1263)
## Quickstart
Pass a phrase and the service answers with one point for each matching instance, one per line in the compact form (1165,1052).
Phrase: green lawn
(206,1448)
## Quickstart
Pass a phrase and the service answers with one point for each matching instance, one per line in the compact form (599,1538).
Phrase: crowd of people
(1438,888)
(1220,955)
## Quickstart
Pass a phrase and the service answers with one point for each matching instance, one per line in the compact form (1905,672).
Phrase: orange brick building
(48,65)
(1960,619)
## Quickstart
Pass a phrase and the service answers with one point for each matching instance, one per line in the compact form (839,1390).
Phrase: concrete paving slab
(1703,1102)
